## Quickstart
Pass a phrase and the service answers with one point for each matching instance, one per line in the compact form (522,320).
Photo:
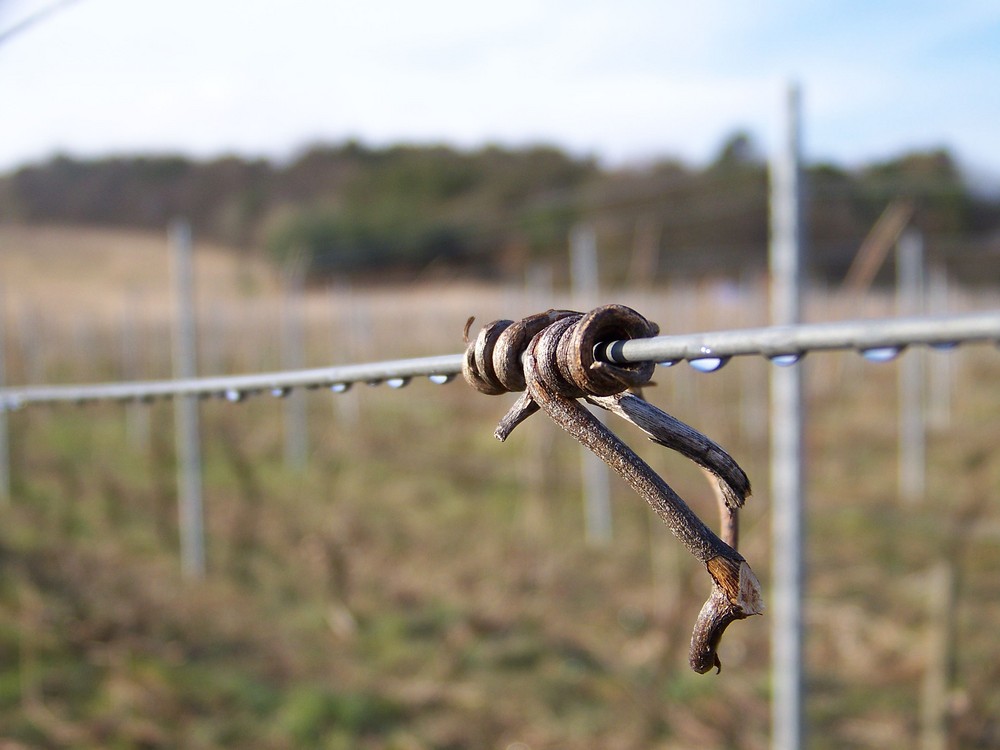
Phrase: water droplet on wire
(944,346)
(708,364)
(440,379)
(234,395)
(281,392)
(13,404)
(397,382)
(881,353)
(340,387)
(668,362)
(785,360)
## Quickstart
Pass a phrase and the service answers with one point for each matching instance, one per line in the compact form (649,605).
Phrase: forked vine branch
(550,356)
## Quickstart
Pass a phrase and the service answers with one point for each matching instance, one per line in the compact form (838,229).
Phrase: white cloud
(623,79)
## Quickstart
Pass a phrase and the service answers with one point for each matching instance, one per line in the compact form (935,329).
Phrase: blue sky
(624,81)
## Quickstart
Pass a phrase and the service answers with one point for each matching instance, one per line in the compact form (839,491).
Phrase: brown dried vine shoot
(550,356)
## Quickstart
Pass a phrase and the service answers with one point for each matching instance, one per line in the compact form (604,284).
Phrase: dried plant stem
(735,592)
(551,356)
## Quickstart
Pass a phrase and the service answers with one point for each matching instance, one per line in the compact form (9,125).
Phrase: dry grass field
(418,584)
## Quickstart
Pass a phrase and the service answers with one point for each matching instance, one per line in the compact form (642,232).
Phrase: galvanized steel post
(188,441)
(910,300)
(293,346)
(787,480)
(596,478)
(4,440)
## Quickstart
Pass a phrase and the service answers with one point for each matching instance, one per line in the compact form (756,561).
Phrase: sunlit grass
(420,585)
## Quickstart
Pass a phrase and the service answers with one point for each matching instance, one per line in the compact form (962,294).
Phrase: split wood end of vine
(550,358)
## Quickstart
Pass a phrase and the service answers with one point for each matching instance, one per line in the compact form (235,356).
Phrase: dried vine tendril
(550,356)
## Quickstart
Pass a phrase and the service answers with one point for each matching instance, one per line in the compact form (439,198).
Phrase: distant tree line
(350,208)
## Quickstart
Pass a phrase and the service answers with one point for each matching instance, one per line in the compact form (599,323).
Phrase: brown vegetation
(420,585)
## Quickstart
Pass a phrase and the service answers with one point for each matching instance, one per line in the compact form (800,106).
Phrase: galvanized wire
(791,341)
(237,387)
(783,344)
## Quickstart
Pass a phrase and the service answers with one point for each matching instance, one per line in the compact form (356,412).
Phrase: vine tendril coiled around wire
(551,357)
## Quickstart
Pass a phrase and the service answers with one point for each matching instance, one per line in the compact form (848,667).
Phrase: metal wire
(235,387)
(785,344)
(782,341)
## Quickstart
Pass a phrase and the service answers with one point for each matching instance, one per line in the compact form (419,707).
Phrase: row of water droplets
(235,395)
(708,362)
